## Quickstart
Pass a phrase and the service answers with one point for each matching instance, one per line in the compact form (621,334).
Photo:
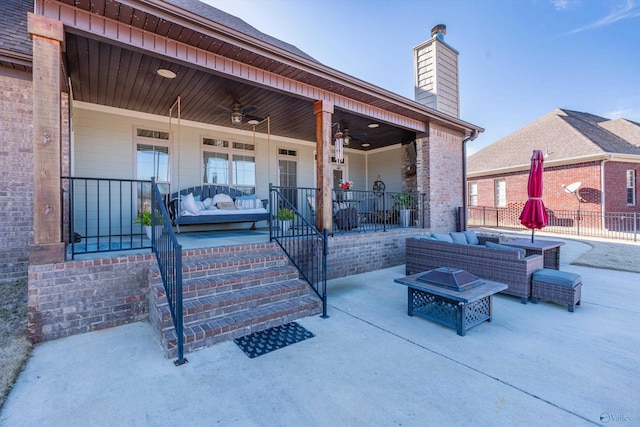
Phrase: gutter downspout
(602,192)
(463,214)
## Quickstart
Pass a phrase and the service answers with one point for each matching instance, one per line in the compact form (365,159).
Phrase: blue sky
(519,59)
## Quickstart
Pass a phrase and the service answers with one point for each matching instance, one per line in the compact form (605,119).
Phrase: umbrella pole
(533,230)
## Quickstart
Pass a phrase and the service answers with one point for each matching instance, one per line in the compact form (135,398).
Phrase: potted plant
(145,219)
(285,217)
(346,187)
(405,203)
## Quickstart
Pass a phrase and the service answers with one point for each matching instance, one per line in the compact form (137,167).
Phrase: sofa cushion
(221,198)
(492,245)
(472,239)
(557,277)
(189,204)
(458,237)
(208,202)
(426,238)
(443,237)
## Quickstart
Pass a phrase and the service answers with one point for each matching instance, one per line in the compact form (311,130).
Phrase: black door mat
(266,341)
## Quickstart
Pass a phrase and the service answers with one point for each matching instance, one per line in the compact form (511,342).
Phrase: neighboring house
(603,155)
(91,89)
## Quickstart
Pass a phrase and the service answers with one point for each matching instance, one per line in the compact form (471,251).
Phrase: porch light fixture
(236,118)
(373,125)
(366,144)
(167,74)
(253,122)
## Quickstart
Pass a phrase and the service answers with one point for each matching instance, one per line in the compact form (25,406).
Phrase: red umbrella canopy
(534,215)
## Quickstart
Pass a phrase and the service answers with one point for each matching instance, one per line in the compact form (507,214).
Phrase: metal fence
(610,225)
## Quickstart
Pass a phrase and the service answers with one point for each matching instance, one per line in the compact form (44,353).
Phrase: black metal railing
(357,211)
(102,214)
(169,256)
(610,225)
(299,238)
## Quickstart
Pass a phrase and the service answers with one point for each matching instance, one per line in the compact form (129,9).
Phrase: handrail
(169,256)
(301,241)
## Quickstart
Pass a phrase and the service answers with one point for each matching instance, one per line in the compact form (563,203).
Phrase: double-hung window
(500,193)
(631,187)
(473,194)
(152,160)
(229,163)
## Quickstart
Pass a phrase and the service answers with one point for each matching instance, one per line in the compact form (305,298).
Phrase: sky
(519,59)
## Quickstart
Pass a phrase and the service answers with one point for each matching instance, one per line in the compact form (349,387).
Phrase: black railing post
(325,251)
(179,309)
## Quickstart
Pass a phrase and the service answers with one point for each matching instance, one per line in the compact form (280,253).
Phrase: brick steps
(231,293)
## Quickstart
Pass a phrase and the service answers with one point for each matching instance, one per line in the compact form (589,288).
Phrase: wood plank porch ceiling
(107,73)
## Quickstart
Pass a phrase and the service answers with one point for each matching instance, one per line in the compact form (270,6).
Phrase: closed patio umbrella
(534,215)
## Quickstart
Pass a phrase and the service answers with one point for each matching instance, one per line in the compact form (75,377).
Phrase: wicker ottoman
(557,286)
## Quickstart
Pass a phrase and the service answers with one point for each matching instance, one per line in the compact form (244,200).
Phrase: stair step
(243,323)
(229,303)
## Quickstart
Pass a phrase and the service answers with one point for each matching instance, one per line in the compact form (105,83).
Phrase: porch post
(323,110)
(48,37)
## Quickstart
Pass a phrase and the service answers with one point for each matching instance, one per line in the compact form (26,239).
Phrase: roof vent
(438,31)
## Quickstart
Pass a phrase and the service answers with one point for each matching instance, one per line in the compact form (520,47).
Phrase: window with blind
(631,187)
(473,194)
(500,193)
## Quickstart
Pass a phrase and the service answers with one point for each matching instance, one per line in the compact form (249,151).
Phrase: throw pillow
(189,204)
(443,237)
(458,237)
(492,245)
(472,239)
(222,198)
(208,202)
(226,205)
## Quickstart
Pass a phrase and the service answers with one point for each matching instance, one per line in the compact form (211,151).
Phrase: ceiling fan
(238,114)
(348,136)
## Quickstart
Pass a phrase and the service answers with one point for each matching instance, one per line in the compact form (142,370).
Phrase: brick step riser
(210,309)
(211,285)
(205,335)
(224,253)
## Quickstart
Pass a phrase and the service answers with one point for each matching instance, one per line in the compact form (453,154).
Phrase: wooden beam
(324,111)
(47,37)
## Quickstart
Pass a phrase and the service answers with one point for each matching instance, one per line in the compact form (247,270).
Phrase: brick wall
(16,164)
(74,297)
(554,196)
(444,194)
(355,254)
(615,179)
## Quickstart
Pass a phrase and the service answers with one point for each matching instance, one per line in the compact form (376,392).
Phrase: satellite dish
(572,188)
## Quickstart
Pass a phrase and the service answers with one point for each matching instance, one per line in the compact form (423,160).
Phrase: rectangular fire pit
(451,297)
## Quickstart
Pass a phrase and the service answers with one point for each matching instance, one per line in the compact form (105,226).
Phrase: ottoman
(558,286)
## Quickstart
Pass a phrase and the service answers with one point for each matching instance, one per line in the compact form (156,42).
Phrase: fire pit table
(451,297)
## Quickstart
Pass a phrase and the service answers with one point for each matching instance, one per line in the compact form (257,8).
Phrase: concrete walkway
(368,365)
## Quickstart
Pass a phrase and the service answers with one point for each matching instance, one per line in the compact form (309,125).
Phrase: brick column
(48,36)
(423,174)
(324,111)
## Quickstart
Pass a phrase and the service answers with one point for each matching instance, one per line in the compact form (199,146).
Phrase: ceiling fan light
(236,118)
(346,140)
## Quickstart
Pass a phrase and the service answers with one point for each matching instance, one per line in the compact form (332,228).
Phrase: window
(500,193)
(288,173)
(228,163)
(631,187)
(473,194)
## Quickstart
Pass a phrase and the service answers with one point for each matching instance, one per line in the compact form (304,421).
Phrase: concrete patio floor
(368,364)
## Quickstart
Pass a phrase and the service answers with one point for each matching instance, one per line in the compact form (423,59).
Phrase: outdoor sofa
(468,251)
(215,204)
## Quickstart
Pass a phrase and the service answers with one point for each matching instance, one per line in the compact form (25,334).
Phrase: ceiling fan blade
(358,136)
(248,109)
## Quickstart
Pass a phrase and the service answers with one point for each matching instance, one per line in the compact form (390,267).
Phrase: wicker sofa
(504,266)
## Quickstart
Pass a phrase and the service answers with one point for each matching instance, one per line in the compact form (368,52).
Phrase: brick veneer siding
(360,253)
(16,163)
(554,196)
(444,166)
(615,181)
(74,297)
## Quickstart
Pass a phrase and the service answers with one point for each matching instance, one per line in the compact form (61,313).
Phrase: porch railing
(299,238)
(102,214)
(169,256)
(610,225)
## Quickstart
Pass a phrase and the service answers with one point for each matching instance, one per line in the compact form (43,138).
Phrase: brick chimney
(436,73)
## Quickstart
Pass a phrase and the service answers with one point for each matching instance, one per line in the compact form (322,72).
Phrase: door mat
(266,341)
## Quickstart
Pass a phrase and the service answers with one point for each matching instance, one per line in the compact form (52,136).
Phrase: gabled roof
(562,135)
(14,36)
(233,22)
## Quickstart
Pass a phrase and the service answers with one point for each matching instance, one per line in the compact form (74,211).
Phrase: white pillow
(208,202)
(221,198)
(189,204)
(248,203)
